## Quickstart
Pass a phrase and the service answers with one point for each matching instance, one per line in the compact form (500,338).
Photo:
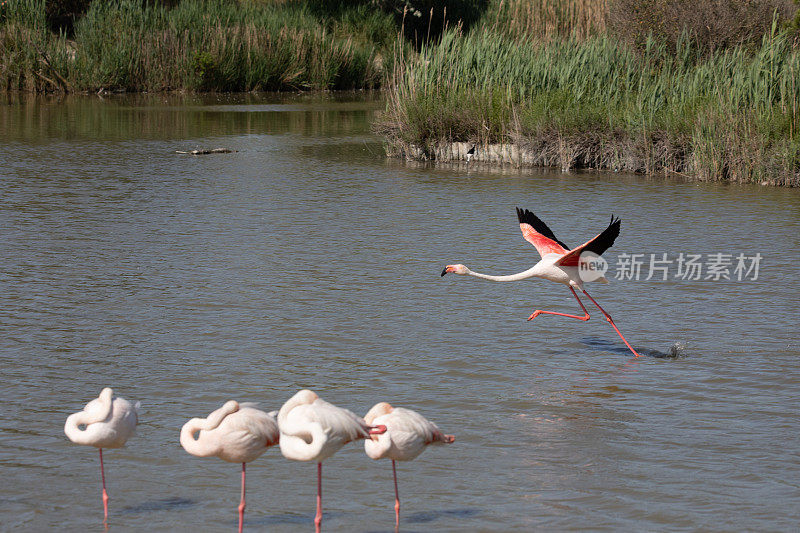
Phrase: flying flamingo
(105,422)
(407,434)
(558,263)
(313,430)
(237,433)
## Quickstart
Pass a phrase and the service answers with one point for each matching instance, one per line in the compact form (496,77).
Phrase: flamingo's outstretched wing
(598,245)
(538,234)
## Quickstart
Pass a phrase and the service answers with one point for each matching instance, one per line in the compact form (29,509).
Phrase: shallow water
(307,259)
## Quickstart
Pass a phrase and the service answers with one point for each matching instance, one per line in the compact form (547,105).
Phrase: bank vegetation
(584,84)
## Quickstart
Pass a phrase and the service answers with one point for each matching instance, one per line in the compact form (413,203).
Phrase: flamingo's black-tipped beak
(444,271)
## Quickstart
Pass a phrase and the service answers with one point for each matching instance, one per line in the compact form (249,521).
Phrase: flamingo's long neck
(205,444)
(216,417)
(200,447)
(302,441)
(88,419)
(511,277)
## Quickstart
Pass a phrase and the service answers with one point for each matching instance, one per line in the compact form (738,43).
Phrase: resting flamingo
(105,422)
(558,263)
(237,433)
(313,430)
(407,434)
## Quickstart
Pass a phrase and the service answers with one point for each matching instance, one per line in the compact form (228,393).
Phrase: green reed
(210,45)
(23,37)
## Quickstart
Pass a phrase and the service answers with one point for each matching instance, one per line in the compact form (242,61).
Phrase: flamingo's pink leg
(608,317)
(242,504)
(584,318)
(318,518)
(105,494)
(396,498)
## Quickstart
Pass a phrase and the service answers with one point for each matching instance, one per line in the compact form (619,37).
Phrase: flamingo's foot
(540,312)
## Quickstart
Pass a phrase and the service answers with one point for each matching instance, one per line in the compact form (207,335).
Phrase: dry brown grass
(548,19)
(712,24)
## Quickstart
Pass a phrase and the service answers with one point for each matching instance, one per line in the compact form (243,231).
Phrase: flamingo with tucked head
(406,436)
(105,422)
(559,263)
(313,430)
(237,433)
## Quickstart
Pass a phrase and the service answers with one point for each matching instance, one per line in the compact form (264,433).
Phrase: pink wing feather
(542,244)
(538,234)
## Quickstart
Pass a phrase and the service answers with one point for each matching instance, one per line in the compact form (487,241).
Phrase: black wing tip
(526,217)
(606,239)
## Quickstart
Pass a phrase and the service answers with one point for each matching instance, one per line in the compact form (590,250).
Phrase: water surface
(306,259)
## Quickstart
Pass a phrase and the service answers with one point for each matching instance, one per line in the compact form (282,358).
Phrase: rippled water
(307,259)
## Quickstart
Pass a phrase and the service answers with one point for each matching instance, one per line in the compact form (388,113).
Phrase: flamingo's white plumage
(105,422)
(406,436)
(313,430)
(558,263)
(237,433)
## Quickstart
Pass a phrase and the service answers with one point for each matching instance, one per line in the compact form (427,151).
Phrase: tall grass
(547,19)
(197,45)
(597,103)
(24,46)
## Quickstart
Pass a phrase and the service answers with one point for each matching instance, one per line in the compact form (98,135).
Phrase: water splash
(678,349)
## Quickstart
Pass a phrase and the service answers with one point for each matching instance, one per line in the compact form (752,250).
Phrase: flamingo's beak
(377,430)
(444,271)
